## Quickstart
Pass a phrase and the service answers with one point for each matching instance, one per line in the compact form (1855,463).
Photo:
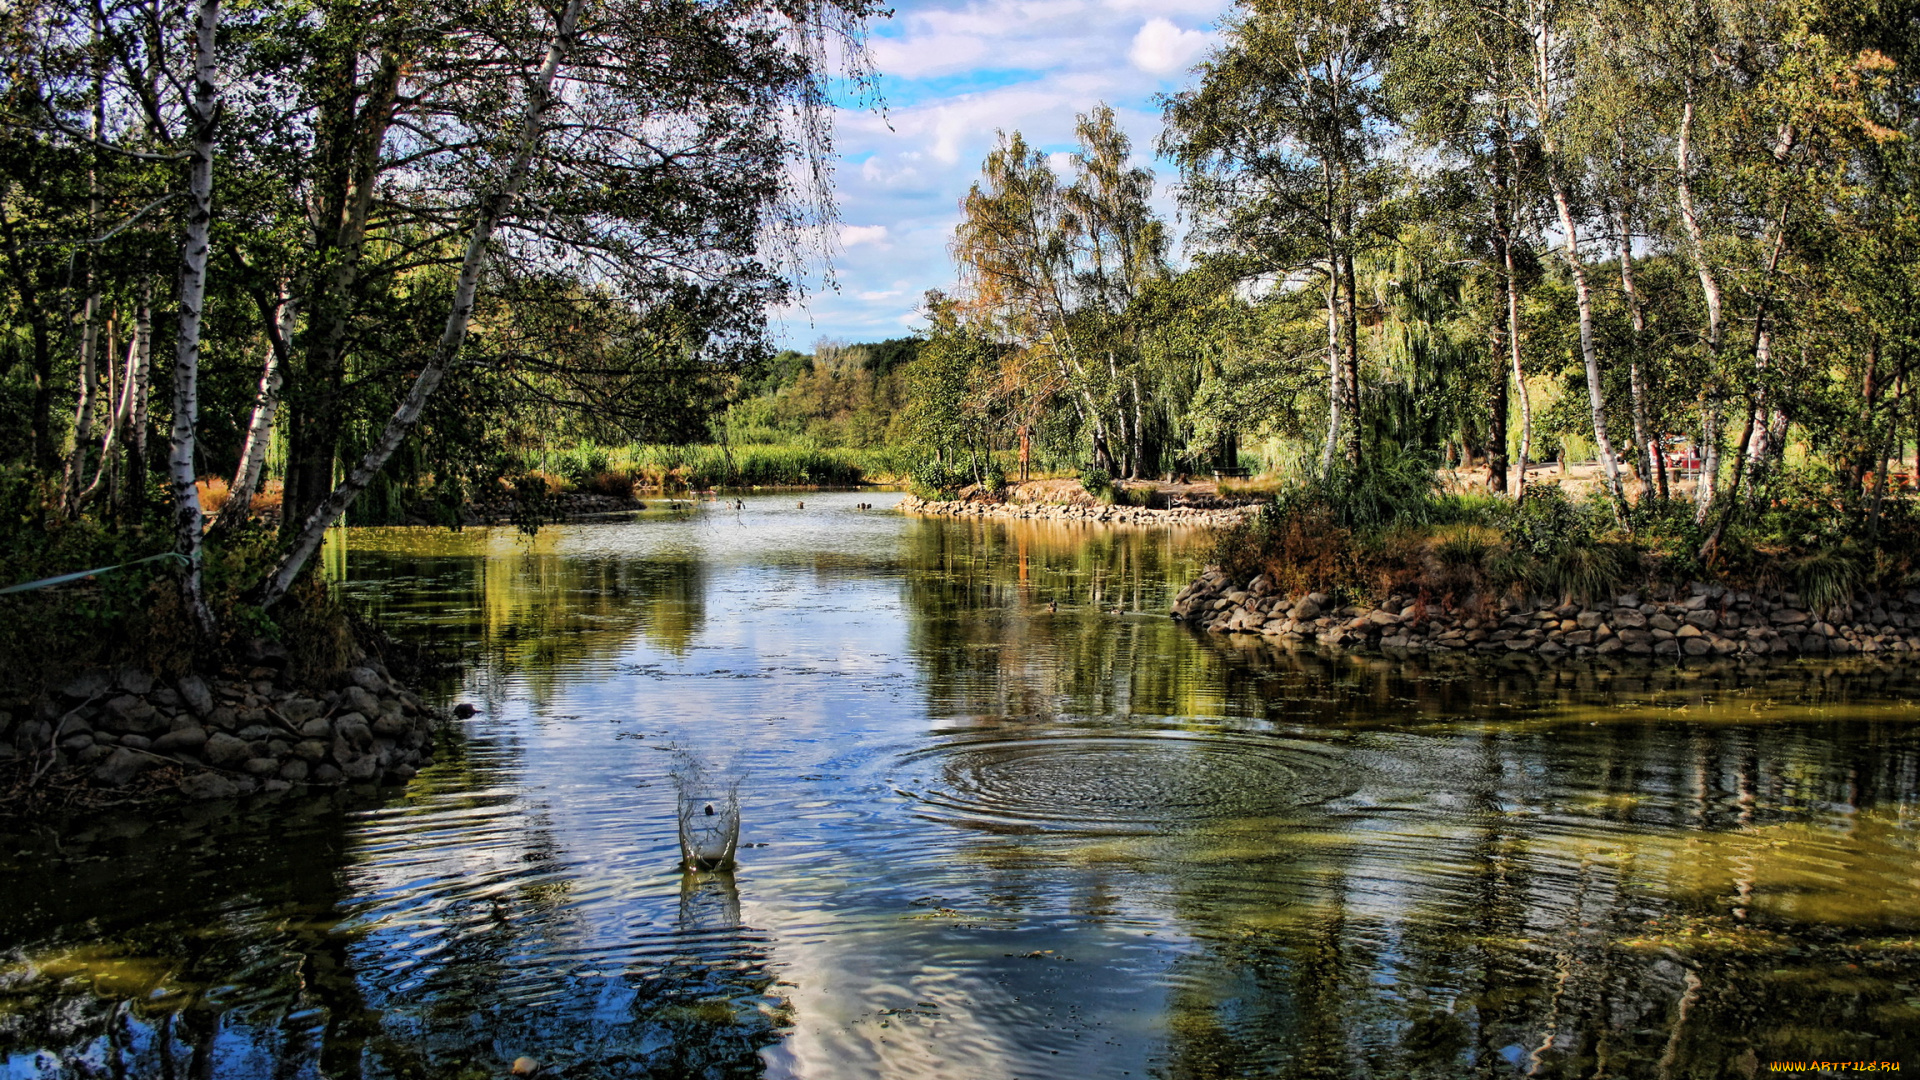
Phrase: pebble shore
(1700,620)
(1089,511)
(227,736)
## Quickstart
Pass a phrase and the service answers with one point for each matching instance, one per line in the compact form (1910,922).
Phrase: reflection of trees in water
(1611,904)
(528,608)
(977,594)
(245,947)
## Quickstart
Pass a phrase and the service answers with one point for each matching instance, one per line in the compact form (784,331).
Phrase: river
(986,837)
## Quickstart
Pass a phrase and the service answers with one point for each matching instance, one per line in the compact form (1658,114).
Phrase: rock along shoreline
(1699,621)
(243,733)
(1089,511)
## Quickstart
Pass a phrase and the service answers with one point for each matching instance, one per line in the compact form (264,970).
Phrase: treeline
(1477,232)
(364,247)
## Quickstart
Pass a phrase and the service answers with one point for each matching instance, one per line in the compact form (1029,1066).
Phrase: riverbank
(1084,509)
(1695,621)
(107,737)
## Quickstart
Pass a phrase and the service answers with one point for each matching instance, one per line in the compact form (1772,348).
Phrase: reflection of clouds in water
(1491,861)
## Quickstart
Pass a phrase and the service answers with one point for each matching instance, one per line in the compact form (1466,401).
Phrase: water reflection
(1003,820)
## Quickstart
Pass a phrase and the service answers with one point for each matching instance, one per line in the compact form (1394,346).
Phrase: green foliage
(1585,571)
(1096,482)
(937,481)
(1826,578)
(1389,487)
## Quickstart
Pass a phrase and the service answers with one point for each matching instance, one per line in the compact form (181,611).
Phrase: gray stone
(310,749)
(261,766)
(353,728)
(1628,619)
(360,768)
(1697,646)
(1705,620)
(193,691)
(1725,646)
(327,774)
(86,685)
(1663,621)
(226,751)
(121,766)
(369,680)
(134,680)
(1587,620)
(223,718)
(299,710)
(209,785)
(190,739)
(317,728)
(1609,647)
(395,726)
(1304,610)
(294,771)
(138,742)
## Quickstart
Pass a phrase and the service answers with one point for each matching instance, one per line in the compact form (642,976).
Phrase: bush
(1097,483)
(936,481)
(1544,521)
(1827,578)
(996,478)
(1388,487)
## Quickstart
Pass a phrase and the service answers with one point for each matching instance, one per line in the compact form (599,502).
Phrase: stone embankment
(1089,511)
(224,737)
(1699,621)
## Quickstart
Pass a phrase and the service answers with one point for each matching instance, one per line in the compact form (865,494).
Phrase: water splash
(709,806)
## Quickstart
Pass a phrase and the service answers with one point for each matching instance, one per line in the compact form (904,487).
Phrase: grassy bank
(1367,534)
(619,470)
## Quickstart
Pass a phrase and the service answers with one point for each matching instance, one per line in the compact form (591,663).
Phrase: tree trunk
(1352,352)
(139,388)
(1710,291)
(74,473)
(354,128)
(110,443)
(492,207)
(253,455)
(187,517)
(1505,214)
(1497,414)
(1641,439)
(76,470)
(1336,380)
(1596,396)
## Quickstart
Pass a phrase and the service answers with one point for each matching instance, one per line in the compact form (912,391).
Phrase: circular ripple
(1122,783)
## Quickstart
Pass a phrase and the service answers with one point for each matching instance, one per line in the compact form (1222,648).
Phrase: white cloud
(855,235)
(1161,48)
(878,294)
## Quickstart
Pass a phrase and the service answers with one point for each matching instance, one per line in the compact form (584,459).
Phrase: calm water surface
(991,840)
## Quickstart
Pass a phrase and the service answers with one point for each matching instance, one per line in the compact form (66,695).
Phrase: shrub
(995,479)
(1826,578)
(1543,521)
(1584,571)
(1097,483)
(937,481)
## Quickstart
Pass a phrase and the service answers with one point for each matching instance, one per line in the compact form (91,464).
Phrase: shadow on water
(1005,819)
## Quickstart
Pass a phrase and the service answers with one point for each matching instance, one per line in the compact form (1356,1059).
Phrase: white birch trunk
(1596,396)
(1703,494)
(492,207)
(1637,386)
(266,402)
(188,520)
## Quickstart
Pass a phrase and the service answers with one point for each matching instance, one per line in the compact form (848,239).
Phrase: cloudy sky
(951,73)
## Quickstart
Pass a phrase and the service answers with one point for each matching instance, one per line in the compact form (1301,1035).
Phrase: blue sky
(951,73)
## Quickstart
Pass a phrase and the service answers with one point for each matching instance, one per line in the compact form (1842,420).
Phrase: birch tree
(189,521)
